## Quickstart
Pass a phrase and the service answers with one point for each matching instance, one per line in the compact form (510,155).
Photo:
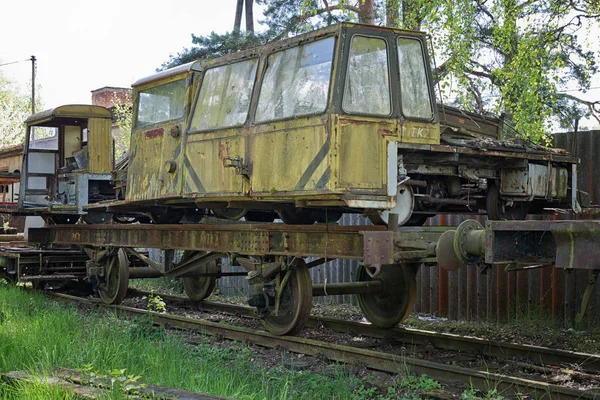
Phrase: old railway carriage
(342,119)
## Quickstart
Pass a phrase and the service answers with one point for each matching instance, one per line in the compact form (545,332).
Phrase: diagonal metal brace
(587,295)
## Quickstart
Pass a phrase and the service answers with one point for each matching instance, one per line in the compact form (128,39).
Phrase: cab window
(161,103)
(296,81)
(414,86)
(367,88)
(224,97)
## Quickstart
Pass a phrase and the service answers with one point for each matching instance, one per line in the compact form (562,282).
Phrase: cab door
(214,158)
(368,123)
(40,163)
(289,149)
(155,156)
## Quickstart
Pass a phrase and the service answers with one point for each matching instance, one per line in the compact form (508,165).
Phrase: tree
(15,107)
(123,115)
(502,56)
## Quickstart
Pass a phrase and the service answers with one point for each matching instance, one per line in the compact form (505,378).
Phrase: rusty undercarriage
(277,258)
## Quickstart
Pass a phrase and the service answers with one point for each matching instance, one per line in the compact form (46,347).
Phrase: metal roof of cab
(69,111)
(194,65)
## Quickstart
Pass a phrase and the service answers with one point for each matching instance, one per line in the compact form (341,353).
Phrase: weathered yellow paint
(297,150)
(100,146)
(420,132)
(150,173)
(205,164)
(362,153)
(69,111)
(72,141)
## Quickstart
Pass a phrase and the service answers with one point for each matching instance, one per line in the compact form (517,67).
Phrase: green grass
(37,334)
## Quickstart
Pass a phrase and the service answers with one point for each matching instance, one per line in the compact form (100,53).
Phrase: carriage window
(367,79)
(414,87)
(296,81)
(43,138)
(224,97)
(161,103)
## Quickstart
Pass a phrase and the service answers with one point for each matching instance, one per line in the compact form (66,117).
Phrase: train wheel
(167,216)
(199,288)
(261,216)
(117,278)
(62,219)
(295,302)
(297,216)
(405,203)
(229,213)
(97,218)
(498,210)
(329,216)
(396,302)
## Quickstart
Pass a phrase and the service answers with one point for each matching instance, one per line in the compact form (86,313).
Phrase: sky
(85,45)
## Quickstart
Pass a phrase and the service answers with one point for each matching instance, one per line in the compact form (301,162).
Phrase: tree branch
(593,106)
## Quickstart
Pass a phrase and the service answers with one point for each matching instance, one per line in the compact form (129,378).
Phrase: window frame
(389,69)
(428,79)
(137,105)
(329,88)
(197,96)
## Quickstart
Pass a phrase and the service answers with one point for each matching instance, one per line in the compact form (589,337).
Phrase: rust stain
(224,151)
(385,132)
(154,133)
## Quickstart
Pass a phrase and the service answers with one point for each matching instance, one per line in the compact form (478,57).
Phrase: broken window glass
(414,87)
(367,78)
(296,81)
(224,97)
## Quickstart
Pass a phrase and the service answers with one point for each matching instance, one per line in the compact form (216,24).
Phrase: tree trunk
(238,15)
(367,12)
(391,13)
(249,16)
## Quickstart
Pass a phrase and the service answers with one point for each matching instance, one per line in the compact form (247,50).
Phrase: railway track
(376,360)
(447,341)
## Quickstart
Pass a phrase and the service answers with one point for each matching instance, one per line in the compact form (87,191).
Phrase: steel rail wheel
(297,216)
(199,288)
(405,203)
(117,278)
(295,302)
(396,302)
(498,210)
(233,214)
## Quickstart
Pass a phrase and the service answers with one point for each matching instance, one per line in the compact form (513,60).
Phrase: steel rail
(448,341)
(397,364)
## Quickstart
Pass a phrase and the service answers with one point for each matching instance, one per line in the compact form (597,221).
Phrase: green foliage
(38,335)
(123,113)
(15,107)
(216,45)
(500,56)
(156,304)
(476,394)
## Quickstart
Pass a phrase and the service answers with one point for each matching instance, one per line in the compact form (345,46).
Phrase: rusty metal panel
(100,146)
(278,239)
(587,148)
(499,295)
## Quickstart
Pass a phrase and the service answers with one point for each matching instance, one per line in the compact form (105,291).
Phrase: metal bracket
(241,168)
(587,295)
